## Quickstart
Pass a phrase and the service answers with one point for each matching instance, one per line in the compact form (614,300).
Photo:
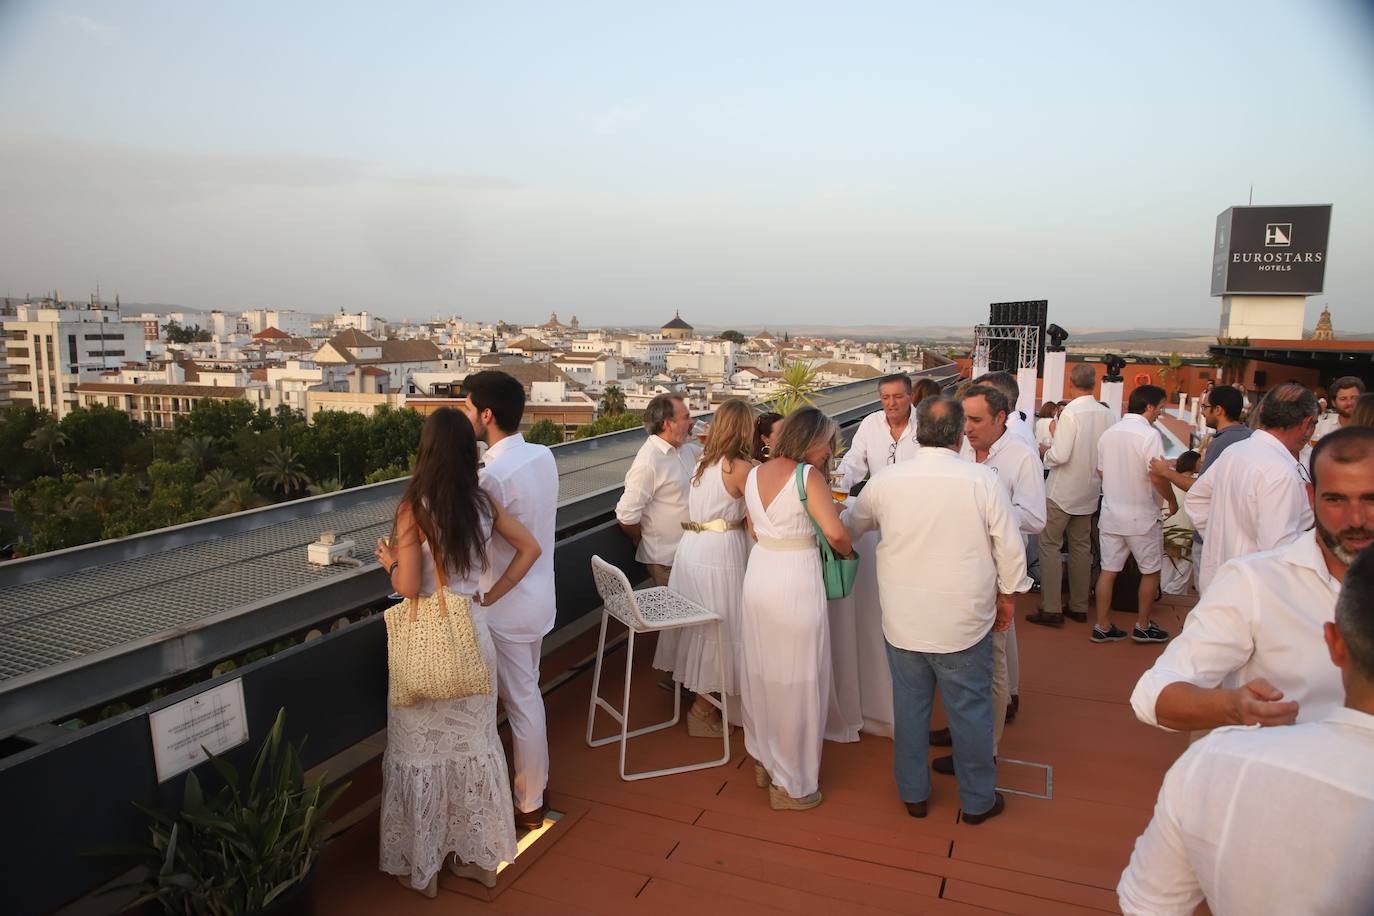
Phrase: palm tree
(216,482)
(1170,373)
(331,485)
(240,496)
(200,449)
(798,384)
(282,470)
(96,494)
(612,401)
(46,440)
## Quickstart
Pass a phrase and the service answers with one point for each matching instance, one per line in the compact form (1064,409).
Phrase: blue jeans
(965,682)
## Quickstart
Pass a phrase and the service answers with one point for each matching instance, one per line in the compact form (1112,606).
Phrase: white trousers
(517,684)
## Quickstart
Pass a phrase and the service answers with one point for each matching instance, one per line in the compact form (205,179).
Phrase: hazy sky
(745,162)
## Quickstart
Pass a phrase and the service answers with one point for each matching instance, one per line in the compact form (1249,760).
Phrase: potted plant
(241,849)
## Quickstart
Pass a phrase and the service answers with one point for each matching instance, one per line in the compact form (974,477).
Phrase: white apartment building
(363,321)
(653,351)
(49,350)
(593,371)
(708,359)
(289,321)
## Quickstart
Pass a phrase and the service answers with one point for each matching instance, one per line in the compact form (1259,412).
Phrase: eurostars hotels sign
(1270,250)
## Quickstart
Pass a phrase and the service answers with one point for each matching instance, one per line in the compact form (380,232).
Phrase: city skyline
(888,166)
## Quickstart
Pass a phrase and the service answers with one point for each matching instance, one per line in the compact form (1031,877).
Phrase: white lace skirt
(444,784)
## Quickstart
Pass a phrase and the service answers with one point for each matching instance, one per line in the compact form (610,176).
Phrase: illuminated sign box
(1270,250)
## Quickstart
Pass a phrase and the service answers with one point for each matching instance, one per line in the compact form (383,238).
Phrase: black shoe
(531,820)
(1112,635)
(1013,708)
(916,809)
(999,804)
(941,738)
(1077,616)
(943,765)
(1046,619)
(1151,633)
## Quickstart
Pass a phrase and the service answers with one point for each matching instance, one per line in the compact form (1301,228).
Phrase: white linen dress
(784,642)
(708,569)
(445,789)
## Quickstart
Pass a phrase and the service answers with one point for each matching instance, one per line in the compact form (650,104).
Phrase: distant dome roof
(677,324)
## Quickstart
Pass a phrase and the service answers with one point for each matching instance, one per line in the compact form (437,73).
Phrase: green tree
(19,464)
(239,498)
(46,441)
(173,332)
(331,485)
(98,437)
(605,425)
(97,493)
(172,498)
(41,508)
(390,472)
(798,384)
(612,401)
(1171,373)
(200,450)
(282,471)
(392,437)
(214,484)
(218,419)
(545,432)
(735,336)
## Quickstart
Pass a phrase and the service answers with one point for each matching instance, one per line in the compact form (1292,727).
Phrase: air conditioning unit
(329,549)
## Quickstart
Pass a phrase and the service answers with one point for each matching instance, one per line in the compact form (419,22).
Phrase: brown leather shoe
(1077,616)
(999,804)
(1045,619)
(941,738)
(531,820)
(1013,707)
(916,809)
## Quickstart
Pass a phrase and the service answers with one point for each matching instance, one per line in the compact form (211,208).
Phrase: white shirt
(1130,503)
(655,497)
(872,448)
(1253,498)
(1017,466)
(1328,422)
(1262,617)
(1022,430)
(949,545)
(523,478)
(1262,821)
(1073,483)
(1043,436)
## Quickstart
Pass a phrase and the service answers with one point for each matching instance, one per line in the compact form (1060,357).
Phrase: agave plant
(240,848)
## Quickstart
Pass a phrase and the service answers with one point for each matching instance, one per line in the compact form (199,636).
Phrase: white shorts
(1147,548)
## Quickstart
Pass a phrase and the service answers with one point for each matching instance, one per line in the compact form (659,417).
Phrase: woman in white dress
(709,568)
(784,627)
(445,792)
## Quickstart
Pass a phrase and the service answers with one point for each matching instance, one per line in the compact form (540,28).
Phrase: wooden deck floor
(707,842)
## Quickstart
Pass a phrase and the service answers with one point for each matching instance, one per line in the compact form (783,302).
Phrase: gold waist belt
(807,543)
(715,524)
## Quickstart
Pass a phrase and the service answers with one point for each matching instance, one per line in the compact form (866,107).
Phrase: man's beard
(1334,543)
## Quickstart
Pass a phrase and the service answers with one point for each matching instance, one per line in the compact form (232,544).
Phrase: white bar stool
(646,611)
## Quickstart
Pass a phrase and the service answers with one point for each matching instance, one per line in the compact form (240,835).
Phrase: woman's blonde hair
(801,430)
(732,435)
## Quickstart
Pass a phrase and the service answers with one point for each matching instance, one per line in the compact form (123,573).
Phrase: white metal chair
(646,611)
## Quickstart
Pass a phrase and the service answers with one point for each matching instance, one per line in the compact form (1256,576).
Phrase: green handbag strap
(827,551)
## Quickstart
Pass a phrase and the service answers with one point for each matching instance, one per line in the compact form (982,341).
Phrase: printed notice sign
(214,720)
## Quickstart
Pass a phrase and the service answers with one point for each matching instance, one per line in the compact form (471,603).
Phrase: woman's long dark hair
(448,504)
(763,426)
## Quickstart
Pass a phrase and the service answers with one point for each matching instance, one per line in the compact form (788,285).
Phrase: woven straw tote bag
(431,649)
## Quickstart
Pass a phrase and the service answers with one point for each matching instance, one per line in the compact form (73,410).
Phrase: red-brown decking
(707,842)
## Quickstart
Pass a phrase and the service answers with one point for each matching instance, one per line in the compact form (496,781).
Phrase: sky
(750,163)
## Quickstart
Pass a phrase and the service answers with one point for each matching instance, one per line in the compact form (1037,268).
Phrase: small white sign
(214,720)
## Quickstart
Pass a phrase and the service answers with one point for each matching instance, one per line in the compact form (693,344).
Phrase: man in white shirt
(949,565)
(1254,498)
(1072,491)
(1130,523)
(1345,392)
(1017,424)
(522,477)
(1273,820)
(1259,624)
(988,441)
(885,436)
(654,505)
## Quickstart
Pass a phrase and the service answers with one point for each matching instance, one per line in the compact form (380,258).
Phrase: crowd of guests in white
(957,496)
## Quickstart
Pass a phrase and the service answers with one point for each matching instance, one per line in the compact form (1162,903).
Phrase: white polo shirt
(522,477)
(1261,617)
(1130,504)
(1074,484)
(1262,820)
(1253,498)
(655,497)
(1019,470)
